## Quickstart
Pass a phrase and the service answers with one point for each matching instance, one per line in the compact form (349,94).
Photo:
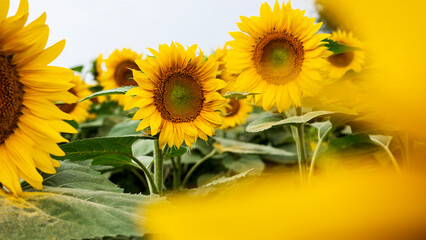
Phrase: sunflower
(351,60)
(236,111)
(30,121)
(177,95)
(79,111)
(118,72)
(278,54)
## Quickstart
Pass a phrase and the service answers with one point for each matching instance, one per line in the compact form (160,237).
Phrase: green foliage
(233,146)
(239,95)
(267,122)
(75,203)
(174,152)
(338,48)
(110,151)
(77,68)
(120,90)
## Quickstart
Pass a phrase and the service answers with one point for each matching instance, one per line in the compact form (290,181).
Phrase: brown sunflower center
(341,59)
(179,97)
(279,57)
(123,74)
(68,108)
(11,97)
(232,109)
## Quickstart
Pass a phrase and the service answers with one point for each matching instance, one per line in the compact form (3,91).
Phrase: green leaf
(126,127)
(227,145)
(338,48)
(263,123)
(294,120)
(77,68)
(120,90)
(110,151)
(246,163)
(239,95)
(174,152)
(322,128)
(224,180)
(75,203)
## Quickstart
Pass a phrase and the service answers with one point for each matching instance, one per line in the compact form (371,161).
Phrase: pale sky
(91,27)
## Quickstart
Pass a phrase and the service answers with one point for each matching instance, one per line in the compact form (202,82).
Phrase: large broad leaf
(245,163)
(120,90)
(239,95)
(264,122)
(75,203)
(126,127)
(226,145)
(274,120)
(111,151)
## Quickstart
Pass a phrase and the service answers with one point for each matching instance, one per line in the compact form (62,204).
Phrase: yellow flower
(351,60)
(278,54)
(118,72)
(79,111)
(374,205)
(30,122)
(177,95)
(235,111)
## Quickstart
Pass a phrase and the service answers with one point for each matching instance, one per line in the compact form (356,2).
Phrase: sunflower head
(277,54)
(177,95)
(79,111)
(351,60)
(118,72)
(30,123)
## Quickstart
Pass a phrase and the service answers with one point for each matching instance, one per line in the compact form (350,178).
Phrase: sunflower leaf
(263,123)
(338,48)
(239,95)
(226,145)
(109,151)
(120,90)
(76,203)
(295,120)
(174,152)
(77,68)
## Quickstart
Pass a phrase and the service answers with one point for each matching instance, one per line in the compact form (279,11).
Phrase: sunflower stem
(158,166)
(151,183)
(299,138)
(177,172)
(315,154)
(188,175)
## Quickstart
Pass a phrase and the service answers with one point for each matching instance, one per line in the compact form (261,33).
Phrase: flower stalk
(158,166)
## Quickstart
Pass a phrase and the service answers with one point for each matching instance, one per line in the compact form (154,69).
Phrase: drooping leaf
(322,128)
(75,203)
(245,163)
(239,95)
(338,48)
(226,145)
(294,120)
(120,90)
(263,123)
(111,151)
(224,180)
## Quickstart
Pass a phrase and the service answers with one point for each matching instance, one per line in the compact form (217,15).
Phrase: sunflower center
(278,58)
(232,109)
(123,74)
(68,107)
(11,97)
(341,59)
(179,97)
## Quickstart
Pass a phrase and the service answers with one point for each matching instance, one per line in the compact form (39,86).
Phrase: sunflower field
(296,128)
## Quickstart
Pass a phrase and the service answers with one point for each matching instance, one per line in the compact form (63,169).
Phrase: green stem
(158,166)
(315,154)
(300,144)
(391,157)
(151,184)
(140,177)
(177,173)
(188,175)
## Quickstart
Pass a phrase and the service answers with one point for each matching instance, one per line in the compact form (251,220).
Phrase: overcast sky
(91,27)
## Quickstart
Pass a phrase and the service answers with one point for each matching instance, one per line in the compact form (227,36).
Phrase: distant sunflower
(118,73)
(278,54)
(177,95)
(235,111)
(351,60)
(29,120)
(79,111)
